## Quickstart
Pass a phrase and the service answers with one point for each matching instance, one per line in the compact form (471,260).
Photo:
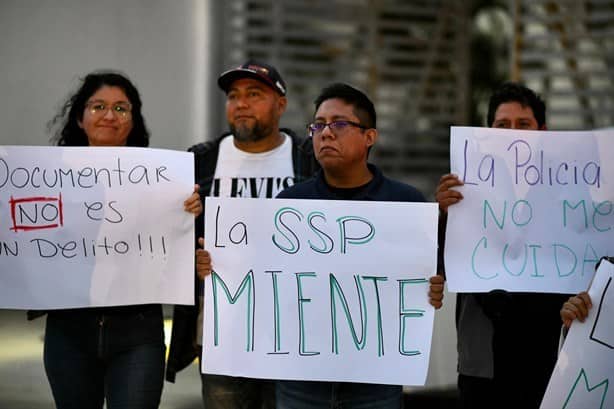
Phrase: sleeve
(441,243)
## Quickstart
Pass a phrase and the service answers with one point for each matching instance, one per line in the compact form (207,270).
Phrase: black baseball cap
(253,69)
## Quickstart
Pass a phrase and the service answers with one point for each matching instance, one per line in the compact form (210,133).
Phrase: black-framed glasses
(335,127)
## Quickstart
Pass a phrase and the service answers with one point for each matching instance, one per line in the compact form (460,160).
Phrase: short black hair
(71,113)
(363,107)
(515,92)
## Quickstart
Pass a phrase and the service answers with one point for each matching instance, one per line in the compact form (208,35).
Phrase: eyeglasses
(121,110)
(336,127)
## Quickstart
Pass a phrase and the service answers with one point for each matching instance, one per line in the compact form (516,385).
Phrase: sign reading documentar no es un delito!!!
(88,226)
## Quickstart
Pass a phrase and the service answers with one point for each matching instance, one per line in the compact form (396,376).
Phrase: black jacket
(183,348)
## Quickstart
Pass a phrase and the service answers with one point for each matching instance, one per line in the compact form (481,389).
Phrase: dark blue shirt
(380,188)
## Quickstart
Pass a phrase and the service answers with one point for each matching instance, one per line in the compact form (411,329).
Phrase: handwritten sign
(319,290)
(537,211)
(91,226)
(584,372)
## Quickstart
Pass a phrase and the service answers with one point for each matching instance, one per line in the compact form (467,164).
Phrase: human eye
(121,108)
(98,107)
(501,124)
(317,126)
(339,125)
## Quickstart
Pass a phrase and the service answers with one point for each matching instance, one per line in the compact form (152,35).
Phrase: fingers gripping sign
(576,307)
(193,203)
(445,195)
(203,260)
(436,291)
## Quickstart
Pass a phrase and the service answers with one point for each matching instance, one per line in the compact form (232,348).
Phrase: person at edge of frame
(507,342)
(578,306)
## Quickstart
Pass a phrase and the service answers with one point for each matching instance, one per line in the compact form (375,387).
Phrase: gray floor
(23,384)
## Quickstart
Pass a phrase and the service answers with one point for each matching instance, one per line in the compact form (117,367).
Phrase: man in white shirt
(255,159)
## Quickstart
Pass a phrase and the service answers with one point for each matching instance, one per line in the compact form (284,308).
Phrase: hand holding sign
(576,308)
(585,367)
(445,195)
(193,204)
(436,291)
(203,260)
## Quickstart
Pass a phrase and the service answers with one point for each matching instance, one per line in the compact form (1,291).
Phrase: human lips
(327,148)
(243,117)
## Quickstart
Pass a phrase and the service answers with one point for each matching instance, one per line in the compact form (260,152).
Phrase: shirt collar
(368,191)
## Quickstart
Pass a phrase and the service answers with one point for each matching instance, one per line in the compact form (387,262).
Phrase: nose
(109,115)
(241,102)
(327,133)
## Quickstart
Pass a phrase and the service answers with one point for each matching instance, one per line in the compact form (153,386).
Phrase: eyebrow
(121,101)
(336,118)
(522,118)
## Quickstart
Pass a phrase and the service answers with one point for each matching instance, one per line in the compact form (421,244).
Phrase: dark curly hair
(70,133)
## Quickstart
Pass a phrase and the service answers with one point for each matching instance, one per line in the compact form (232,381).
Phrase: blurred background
(426,64)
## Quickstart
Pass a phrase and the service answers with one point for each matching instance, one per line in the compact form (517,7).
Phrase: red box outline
(13,202)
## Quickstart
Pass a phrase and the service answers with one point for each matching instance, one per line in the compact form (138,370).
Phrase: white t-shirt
(260,175)
(244,174)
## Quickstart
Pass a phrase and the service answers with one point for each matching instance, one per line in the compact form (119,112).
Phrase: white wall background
(166,48)
(46,46)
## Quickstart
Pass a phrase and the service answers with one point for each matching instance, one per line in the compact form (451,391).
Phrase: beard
(246,133)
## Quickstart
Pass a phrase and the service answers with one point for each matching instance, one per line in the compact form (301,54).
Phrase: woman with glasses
(112,353)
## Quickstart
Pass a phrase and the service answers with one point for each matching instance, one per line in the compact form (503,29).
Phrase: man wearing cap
(255,159)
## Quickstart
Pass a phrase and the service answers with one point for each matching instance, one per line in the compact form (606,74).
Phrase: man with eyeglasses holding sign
(343,132)
(255,159)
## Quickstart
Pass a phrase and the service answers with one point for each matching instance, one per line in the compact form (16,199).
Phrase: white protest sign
(537,211)
(89,226)
(319,290)
(585,367)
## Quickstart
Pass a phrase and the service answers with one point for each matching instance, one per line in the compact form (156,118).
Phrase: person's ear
(282,103)
(371,136)
(543,127)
